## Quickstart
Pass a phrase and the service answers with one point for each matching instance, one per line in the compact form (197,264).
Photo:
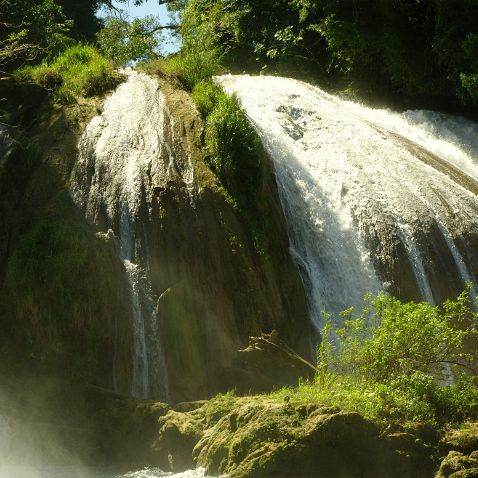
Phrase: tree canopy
(423,49)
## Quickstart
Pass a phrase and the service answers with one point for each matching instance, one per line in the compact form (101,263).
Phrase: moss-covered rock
(458,465)
(463,439)
(257,437)
(178,434)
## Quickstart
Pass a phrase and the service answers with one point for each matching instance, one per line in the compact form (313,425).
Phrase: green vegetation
(422,50)
(78,71)
(188,67)
(390,361)
(31,31)
(123,41)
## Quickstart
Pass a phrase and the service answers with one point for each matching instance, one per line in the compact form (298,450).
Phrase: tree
(123,41)
(31,31)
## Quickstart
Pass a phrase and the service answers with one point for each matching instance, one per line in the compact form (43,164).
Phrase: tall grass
(188,67)
(78,71)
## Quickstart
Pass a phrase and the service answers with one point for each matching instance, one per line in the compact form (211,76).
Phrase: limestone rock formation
(64,289)
(258,437)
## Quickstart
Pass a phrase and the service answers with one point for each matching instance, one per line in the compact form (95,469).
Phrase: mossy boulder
(178,434)
(262,438)
(463,439)
(458,465)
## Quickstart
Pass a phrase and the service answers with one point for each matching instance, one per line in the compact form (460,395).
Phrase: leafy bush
(78,71)
(389,338)
(388,362)
(232,145)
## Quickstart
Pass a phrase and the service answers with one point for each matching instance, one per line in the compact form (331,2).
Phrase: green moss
(258,437)
(52,253)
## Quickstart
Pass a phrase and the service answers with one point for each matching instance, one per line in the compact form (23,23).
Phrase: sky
(151,7)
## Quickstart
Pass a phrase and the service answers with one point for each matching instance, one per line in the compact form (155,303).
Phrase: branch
(163,27)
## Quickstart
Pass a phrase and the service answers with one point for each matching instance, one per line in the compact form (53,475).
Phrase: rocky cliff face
(78,272)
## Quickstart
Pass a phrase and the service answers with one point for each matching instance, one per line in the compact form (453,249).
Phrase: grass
(188,67)
(79,71)
(409,400)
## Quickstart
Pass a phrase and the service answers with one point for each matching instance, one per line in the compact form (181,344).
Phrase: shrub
(78,71)
(232,147)
(388,360)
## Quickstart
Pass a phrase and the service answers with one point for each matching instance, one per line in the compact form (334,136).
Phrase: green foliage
(388,362)
(191,66)
(388,339)
(206,96)
(233,147)
(78,71)
(419,49)
(124,41)
(31,31)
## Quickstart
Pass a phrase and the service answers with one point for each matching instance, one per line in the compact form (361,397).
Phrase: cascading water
(358,184)
(122,157)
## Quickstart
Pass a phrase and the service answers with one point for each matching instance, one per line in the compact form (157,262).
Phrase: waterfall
(123,157)
(357,182)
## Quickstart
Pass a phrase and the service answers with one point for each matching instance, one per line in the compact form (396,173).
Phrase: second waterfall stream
(374,201)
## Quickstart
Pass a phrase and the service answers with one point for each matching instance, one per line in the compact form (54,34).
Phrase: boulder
(458,465)
(178,434)
(262,438)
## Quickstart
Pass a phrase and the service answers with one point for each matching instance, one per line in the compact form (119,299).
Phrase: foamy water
(353,181)
(84,472)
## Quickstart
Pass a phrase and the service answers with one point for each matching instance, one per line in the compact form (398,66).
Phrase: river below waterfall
(84,472)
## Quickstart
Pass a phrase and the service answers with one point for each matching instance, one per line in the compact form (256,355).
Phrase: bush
(232,146)
(388,361)
(78,71)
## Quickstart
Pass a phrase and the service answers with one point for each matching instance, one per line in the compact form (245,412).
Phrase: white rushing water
(123,157)
(345,176)
(85,472)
